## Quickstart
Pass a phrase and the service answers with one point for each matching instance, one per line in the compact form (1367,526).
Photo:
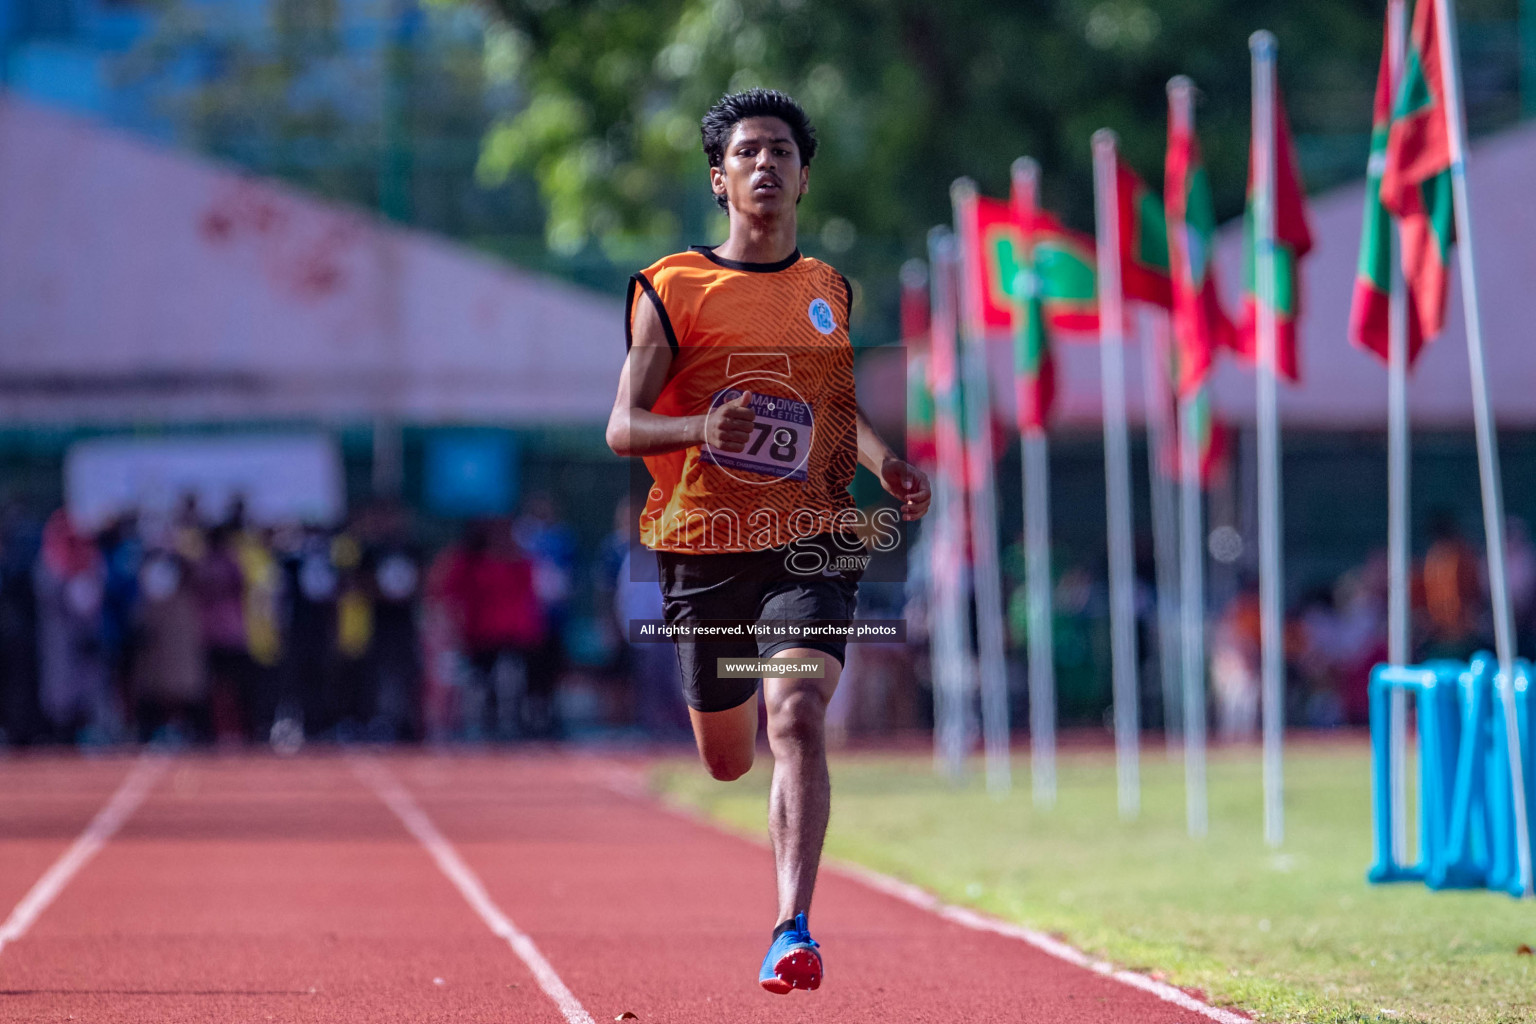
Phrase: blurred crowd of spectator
(1335,633)
(180,630)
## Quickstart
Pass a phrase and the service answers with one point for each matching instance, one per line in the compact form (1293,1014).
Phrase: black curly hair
(729,111)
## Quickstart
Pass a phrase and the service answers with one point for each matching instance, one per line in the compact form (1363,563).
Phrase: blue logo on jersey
(821,316)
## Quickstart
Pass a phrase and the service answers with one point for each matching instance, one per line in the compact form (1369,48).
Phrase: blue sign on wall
(471,473)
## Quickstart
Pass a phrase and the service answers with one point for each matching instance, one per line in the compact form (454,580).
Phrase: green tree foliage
(906,94)
(387,112)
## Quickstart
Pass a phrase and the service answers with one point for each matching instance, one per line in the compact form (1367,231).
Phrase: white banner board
(283,478)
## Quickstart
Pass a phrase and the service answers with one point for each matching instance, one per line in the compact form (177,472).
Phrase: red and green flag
(1066,272)
(921,409)
(915,321)
(942,374)
(1212,436)
(1369,310)
(1293,240)
(1144,269)
(976,217)
(1067,278)
(1034,368)
(1416,182)
(1200,326)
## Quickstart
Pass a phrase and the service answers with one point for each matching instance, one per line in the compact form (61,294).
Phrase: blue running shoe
(792,961)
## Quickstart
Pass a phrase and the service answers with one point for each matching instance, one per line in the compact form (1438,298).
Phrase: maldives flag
(1369,310)
(1416,182)
(1066,276)
(1210,434)
(1143,240)
(1066,273)
(921,409)
(976,217)
(915,319)
(1200,326)
(1212,437)
(942,373)
(1034,368)
(1293,240)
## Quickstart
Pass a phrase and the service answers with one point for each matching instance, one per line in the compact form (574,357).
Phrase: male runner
(738,392)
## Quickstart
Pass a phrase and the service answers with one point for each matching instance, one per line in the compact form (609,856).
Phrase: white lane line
(108,820)
(468,883)
(627,782)
(921,898)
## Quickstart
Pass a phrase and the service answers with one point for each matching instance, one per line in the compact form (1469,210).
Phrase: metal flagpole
(1487,441)
(940,614)
(1037,563)
(1192,609)
(1398,584)
(953,669)
(1191,569)
(1042,668)
(1117,473)
(1165,525)
(934,528)
(983,505)
(1397,551)
(1262,45)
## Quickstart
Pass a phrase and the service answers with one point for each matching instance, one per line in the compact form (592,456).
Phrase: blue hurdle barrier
(1425,684)
(1466,812)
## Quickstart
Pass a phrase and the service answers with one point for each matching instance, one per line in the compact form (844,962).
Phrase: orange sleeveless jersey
(777,330)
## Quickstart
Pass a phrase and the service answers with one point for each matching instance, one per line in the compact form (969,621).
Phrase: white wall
(140,284)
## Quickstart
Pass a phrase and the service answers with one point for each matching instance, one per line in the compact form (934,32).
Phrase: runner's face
(761,174)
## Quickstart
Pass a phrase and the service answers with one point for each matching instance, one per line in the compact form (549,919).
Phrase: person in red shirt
(487,587)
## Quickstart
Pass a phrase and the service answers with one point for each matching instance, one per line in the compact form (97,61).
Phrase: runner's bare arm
(902,480)
(633,429)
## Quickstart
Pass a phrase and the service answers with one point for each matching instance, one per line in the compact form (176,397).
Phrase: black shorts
(813,579)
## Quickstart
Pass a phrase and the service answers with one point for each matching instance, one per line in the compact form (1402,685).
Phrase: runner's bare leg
(801,798)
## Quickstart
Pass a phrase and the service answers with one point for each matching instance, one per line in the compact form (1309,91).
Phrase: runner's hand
(728,426)
(908,485)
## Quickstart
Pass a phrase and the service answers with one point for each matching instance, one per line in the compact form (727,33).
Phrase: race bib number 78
(780,445)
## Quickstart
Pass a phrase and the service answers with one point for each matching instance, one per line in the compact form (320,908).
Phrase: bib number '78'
(780,444)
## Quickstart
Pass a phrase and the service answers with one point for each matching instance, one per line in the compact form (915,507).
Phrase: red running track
(249,888)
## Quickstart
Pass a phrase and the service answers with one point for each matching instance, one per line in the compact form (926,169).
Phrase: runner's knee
(727,766)
(798,719)
(727,740)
